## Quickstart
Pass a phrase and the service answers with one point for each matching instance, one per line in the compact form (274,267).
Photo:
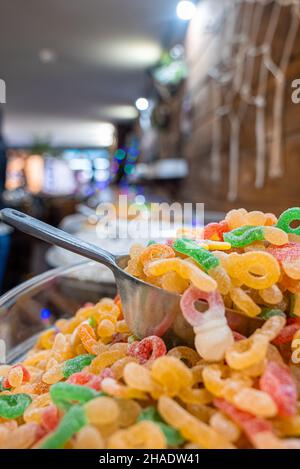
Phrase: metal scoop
(148,310)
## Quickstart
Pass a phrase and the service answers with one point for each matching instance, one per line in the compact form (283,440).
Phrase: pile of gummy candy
(89,383)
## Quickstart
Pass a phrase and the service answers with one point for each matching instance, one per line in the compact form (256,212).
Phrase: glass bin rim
(39,280)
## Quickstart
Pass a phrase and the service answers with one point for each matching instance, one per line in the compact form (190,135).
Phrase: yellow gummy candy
(105,360)
(275,236)
(220,275)
(272,295)
(256,402)
(244,302)
(292,269)
(220,382)
(247,352)
(171,374)
(190,427)
(138,377)
(102,411)
(245,267)
(225,426)
(143,435)
(185,269)
(89,437)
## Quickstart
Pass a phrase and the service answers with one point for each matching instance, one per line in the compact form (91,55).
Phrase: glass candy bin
(35,305)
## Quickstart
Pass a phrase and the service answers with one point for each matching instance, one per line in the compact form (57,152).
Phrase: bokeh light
(120,154)
(186,10)
(142,104)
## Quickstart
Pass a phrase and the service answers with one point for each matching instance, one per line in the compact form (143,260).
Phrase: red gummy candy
(251,424)
(40,433)
(26,376)
(50,418)
(147,349)
(216,229)
(5,383)
(84,378)
(81,378)
(289,252)
(278,382)
(106,373)
(293,321)
(286,335)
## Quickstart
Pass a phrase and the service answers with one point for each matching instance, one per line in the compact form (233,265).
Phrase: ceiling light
(69,132)
(118,112)
(185,10)
(120,52)
(47,55)
(142,104)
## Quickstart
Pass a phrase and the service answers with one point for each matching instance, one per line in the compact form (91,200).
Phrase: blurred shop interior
(162,101)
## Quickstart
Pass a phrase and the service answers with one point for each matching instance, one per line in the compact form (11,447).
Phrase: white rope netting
(236,85)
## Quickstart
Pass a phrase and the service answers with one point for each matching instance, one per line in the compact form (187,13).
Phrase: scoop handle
(38,229)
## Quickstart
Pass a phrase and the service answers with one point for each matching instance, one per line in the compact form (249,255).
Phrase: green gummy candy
(13,406)
(150,413)
(190,248)
(270,312)
(151,242)
(243,236)
(76,364)
(286,218)
(71,423)
(65,394)
(92,322)
(172,435)
(132,339)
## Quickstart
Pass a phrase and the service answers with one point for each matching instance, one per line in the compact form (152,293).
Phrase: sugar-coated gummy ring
(71,423)
(278,382)
(189,311)
(251,424)
(289,252)
(84,378)
(156,251)
(216,230)
(245,265)
(286,335)
(50,418)
(13,406)
(246,353)
(74,365)
(190,248)
(286,218)
(149,348)
(243,236)
(64,394)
